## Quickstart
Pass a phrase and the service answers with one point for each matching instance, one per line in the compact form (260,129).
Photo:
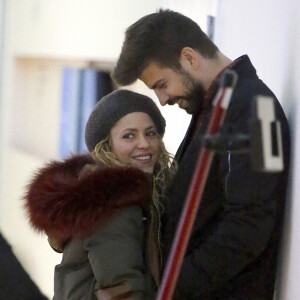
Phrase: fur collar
(63,205)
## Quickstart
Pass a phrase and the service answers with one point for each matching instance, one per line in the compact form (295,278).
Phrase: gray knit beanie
(111,108)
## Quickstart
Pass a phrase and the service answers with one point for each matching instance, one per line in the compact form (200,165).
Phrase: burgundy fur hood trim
(63,205)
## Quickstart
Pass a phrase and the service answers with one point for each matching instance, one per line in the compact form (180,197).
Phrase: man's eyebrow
(154,86)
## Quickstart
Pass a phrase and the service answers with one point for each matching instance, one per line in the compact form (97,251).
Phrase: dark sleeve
(250,212)
(116,255)
(15,283)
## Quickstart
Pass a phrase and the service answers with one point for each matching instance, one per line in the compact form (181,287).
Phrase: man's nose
(162,97)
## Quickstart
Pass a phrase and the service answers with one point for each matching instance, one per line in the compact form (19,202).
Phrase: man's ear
(189,58)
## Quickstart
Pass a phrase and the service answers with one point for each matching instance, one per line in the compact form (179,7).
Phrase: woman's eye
(128,136)
(151,133)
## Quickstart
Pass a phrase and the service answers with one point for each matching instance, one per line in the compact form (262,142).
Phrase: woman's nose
(143,142)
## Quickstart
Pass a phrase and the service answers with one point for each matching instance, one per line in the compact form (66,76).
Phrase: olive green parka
(104,217)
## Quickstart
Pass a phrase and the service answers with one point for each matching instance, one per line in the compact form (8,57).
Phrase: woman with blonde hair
(104,208)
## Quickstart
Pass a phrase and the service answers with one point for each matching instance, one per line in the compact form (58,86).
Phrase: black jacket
(233,248)
(15,282)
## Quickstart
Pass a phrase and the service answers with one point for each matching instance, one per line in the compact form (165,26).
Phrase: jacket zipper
(158,229)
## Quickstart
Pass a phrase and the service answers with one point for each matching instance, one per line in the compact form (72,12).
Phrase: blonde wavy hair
(163,172)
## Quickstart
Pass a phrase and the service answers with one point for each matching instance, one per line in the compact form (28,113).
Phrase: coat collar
(244,68)
(60,203)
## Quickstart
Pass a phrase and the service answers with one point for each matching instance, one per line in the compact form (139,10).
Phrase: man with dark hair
(234,244)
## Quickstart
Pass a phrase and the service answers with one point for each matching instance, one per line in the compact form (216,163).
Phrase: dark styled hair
(159,37)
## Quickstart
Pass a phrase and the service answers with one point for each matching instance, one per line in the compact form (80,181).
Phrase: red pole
(194,196)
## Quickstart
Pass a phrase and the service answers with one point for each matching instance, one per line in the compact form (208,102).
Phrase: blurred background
(42,40)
